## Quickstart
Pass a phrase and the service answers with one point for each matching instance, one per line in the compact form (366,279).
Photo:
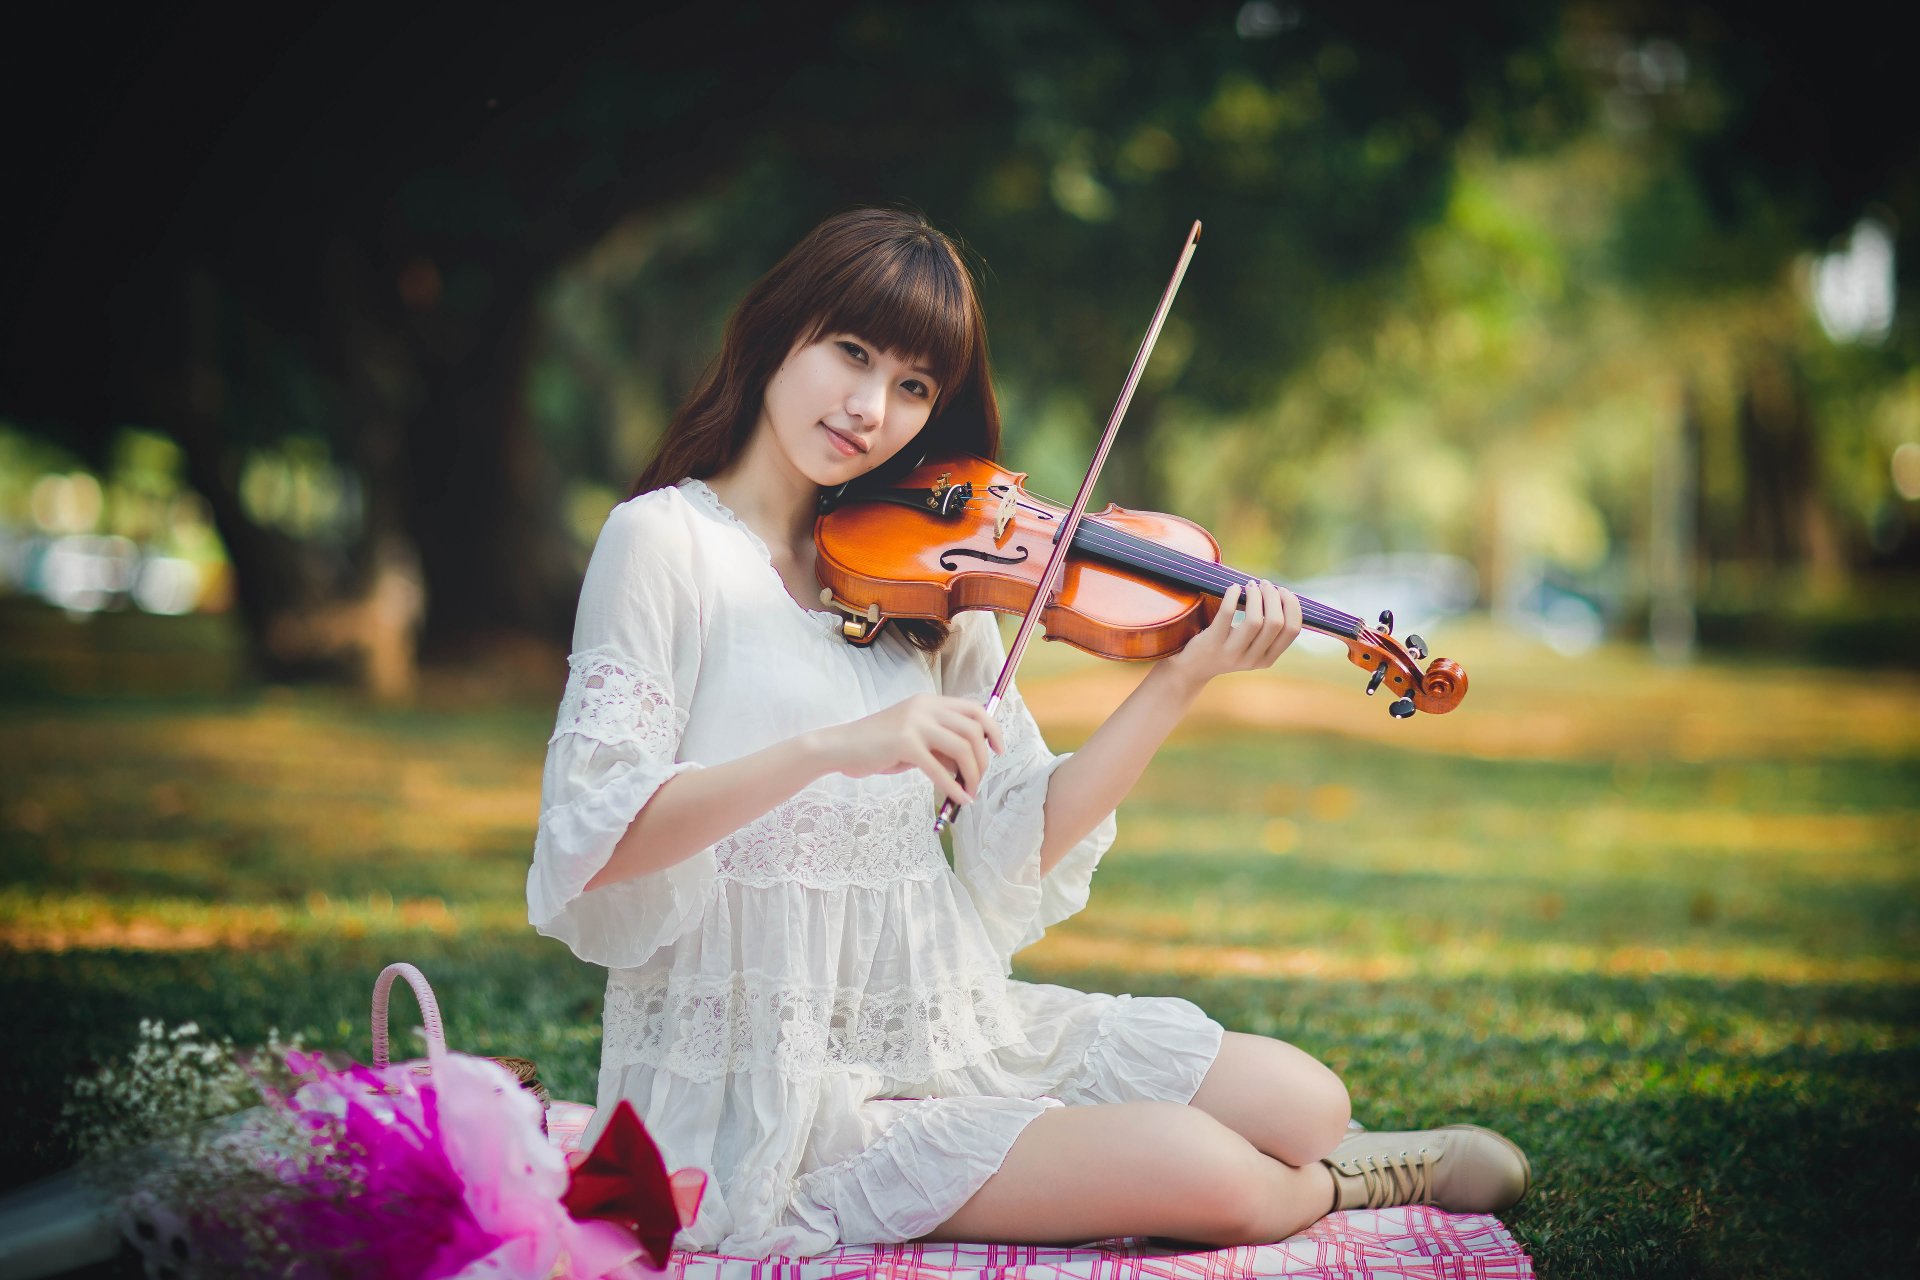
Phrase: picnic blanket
(1412,1243)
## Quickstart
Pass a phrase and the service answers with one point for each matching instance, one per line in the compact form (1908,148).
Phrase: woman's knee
(1284,1100)
(1324,1109)
(1314,1099)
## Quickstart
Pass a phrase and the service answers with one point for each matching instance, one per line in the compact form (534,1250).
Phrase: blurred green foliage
(1556,298)
(1535,287)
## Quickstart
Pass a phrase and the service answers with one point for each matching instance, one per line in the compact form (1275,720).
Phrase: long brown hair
(884,274)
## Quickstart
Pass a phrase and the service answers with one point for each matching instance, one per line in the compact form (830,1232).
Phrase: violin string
(1204,573)
(1201,574)
(1211,572)
(1150,554)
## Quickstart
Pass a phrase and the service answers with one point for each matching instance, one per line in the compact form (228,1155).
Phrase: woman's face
(840,406)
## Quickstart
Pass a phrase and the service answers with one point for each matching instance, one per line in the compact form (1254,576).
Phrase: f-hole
(947,563)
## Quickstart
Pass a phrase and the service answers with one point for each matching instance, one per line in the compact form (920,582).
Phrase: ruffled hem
(857,1159)
(929,1162)
(618,924)
(1147,1047)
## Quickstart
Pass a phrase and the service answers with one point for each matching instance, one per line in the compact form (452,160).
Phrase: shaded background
(1580,334)
(369,316)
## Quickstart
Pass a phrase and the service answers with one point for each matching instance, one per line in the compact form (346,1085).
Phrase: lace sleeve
(611,699)
(615,742)
(996,839)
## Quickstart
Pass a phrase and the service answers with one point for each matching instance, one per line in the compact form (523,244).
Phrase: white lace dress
(816,1010)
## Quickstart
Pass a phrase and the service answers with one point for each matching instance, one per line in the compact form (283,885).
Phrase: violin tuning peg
(1400,708)
(1415,645)
(1379,674)
(1386,621)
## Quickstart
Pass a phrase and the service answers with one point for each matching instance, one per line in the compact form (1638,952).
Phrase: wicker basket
(522,1069)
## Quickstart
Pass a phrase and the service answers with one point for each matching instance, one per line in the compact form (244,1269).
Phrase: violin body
(963,533)
(916,563)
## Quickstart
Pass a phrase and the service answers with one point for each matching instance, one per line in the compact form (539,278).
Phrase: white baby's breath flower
(164,1127)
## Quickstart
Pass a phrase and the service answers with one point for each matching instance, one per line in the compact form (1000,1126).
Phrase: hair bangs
(913,299)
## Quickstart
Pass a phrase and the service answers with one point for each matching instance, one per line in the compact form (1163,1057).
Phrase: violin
(963,533)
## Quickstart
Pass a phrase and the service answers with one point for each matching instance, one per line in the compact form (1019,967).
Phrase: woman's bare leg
(1281,1099)
(1139,1169)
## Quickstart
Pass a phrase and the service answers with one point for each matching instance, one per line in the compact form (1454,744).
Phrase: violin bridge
(1004,516)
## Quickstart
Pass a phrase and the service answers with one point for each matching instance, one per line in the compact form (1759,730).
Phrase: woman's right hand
(936,734)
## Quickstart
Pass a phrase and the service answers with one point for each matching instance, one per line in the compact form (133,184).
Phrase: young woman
(803,997)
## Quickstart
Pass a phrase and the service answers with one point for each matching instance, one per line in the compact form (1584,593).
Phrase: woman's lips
(845,444)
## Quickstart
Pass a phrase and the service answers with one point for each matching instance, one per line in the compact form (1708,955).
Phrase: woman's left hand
(1272,621)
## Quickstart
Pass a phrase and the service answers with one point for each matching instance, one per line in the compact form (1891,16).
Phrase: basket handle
(429,1011)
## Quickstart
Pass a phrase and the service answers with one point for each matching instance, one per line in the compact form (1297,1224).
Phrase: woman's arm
(694,809)
(934,734)
(1093,781)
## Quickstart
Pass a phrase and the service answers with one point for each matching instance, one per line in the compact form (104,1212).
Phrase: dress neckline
(703,493)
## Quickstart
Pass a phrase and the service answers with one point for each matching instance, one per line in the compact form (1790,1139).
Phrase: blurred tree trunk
(481,498)
(455,497)
(1671,534)
(1786,522)
(460,539)
(266,566)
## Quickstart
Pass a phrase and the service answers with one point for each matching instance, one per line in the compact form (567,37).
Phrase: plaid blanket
(1414,1243)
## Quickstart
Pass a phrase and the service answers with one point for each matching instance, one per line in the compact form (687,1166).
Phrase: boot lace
(1406,1178)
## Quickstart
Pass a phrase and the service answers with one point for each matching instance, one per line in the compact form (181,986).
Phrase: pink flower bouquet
(451,1177)
(399,1173)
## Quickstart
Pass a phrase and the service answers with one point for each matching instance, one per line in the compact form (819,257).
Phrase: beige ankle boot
(1461,1168)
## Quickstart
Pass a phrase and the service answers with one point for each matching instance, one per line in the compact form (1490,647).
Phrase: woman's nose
(867,401)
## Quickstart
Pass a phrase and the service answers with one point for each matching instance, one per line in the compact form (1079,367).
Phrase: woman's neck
(766,492)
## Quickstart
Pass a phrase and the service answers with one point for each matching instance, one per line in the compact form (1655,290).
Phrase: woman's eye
(855,350)
(915,387)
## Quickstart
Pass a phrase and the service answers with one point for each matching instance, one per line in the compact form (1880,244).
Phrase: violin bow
(1063,537)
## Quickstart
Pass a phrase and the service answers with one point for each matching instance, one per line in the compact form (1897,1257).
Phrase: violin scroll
(1393,665)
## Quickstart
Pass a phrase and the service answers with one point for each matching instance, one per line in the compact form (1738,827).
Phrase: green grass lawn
(1660,926)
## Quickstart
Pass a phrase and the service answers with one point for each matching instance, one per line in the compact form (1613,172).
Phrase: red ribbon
(624,1180)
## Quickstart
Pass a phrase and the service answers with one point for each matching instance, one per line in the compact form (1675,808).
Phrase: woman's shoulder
(642,583)
(658,520)
(649,535)
(656,510)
